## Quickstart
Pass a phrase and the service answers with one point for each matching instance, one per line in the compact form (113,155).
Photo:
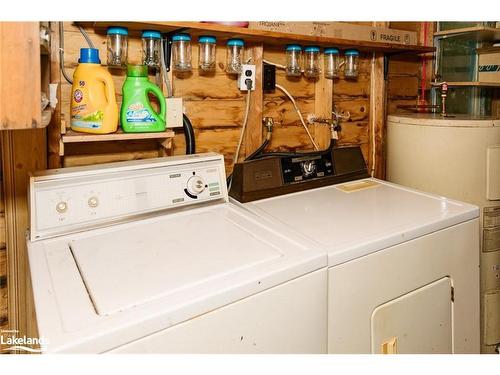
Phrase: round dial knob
(308,167)
(61,207)
(195,185)
(93,202)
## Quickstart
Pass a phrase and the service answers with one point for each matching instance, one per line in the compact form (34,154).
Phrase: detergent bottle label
(137,113)
(83,115)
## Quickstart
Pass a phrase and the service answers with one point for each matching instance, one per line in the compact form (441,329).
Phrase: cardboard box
(340,30)
(489,65)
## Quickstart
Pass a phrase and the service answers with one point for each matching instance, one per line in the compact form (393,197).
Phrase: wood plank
(107,157)
(215,113)
(20,76)
(3,231)
(76,137)
(17,163)
(378,99)
(253,132)
(259,36)
(53,130)
(343,88)
(323,108)
(402,87)
(282,111)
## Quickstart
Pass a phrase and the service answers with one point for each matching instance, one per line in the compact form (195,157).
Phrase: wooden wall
(406,72)
(3,263)
(216,106)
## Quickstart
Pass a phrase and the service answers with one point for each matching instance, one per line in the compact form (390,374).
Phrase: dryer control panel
(73,199)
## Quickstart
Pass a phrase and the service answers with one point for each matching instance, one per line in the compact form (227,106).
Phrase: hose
(61,54)
(258,151)
(189,135)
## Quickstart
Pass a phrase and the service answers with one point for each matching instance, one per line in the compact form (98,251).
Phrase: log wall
(216,106)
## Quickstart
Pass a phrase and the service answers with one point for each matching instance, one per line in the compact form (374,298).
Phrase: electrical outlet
(175,111)
(269,80)
(247,74)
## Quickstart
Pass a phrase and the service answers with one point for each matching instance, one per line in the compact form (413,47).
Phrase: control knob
(195,185)
(308,168)
(61,207)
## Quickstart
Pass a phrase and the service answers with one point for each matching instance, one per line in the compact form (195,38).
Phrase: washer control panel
(297,169)
(85,198)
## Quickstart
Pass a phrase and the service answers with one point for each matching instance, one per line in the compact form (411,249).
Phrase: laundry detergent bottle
(93,101)
(137,115)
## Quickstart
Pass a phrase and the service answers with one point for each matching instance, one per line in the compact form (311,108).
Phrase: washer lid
(360,217)
(125,268)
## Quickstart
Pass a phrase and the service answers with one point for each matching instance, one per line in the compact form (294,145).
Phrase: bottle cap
(137,70)
(117,30)
(89,56)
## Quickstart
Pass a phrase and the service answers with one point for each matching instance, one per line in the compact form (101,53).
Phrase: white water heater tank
(457,157)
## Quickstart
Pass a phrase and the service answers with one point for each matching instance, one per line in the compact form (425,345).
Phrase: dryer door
(417,322)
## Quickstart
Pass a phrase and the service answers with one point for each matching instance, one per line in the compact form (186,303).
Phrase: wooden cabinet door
(20,106)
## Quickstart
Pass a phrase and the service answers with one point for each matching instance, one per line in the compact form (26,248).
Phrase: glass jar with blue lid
(311,62)
(293,60)
(181,52)
(351,63)
(235,55)
(117,46)
(332,62)
(206,54)
(151,47)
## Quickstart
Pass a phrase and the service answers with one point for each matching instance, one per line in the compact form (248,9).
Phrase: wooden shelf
(478,33)
(472,84)
(76,137)
(258,36)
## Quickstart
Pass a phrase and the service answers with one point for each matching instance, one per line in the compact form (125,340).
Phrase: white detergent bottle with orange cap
(93,101)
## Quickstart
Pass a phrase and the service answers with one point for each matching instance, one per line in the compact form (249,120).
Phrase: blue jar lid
(331,51)
(117,30)
(352,52)
(89,56)
(293,47)
(236,42)
(207,39)
(181,36)
(311,49)
(151,34)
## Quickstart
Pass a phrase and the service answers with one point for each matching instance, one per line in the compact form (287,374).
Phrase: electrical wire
(242,134)
(276,65)
(61,54)
(243,128)
(300,114)
(86,36)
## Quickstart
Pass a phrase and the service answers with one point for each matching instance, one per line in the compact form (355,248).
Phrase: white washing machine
(150,257)
(403,265)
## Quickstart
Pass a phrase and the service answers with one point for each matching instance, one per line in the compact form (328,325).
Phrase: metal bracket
(167,46)
(386,66)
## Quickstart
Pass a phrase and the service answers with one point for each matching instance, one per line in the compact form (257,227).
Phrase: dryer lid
(360,217)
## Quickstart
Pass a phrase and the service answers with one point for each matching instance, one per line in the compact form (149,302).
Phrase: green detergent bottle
(137,115)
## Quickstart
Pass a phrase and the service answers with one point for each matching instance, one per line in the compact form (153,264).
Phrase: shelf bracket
(167,46)
(386,66)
